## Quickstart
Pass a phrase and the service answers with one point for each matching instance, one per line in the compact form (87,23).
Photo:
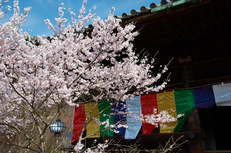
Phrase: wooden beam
(205,19)
(155,32)
(153,137)
(199,83)
(217,151)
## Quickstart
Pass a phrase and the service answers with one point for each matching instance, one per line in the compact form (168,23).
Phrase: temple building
(197,35)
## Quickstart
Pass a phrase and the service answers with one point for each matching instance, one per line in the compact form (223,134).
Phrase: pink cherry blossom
(37,73)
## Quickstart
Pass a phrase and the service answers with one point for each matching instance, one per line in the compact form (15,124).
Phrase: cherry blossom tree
(75,65)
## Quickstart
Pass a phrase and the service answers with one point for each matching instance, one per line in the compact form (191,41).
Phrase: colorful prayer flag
(184,105)
(93,128)
(204,97)
(222,94)
(120,117)
(106,115)
(79,118)
(134,110)
(148,103)
(166,102)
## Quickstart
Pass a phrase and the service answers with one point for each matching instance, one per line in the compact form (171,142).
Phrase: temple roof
(156,8)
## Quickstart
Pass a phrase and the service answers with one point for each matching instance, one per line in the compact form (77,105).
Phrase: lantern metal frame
(57,127)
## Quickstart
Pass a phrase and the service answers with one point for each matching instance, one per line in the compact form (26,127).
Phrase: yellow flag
(92,127)
(166,101)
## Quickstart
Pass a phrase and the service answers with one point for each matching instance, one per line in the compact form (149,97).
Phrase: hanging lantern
(57,127)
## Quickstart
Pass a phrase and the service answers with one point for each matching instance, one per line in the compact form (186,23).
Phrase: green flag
(184,105)
(107,117)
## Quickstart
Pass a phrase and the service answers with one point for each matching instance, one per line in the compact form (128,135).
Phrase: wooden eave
(200,30)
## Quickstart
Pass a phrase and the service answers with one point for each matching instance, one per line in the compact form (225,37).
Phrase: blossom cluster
(97,149)
(157,118)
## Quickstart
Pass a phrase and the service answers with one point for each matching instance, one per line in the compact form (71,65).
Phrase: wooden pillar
(186,70)
(193,122)
(208,129)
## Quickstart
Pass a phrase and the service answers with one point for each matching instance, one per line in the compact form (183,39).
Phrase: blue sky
(48,9)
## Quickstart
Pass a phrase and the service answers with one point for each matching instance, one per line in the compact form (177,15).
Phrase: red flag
(148,103)
(78,122)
